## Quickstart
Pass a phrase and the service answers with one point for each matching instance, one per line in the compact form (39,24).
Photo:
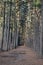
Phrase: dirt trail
(20,56)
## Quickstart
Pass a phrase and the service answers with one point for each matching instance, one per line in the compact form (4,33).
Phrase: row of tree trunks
(37,33)
(9,37)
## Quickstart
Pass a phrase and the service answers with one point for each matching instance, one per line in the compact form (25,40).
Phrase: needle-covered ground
(20,56)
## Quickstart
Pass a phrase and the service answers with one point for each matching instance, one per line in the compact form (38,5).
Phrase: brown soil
(20,56)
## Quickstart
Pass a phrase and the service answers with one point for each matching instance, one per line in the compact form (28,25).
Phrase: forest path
(20,56)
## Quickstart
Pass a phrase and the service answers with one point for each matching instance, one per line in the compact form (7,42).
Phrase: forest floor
(20,56)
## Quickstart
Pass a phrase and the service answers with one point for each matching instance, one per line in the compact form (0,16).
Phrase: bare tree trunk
(8,44)
(3,28)
(41,31)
